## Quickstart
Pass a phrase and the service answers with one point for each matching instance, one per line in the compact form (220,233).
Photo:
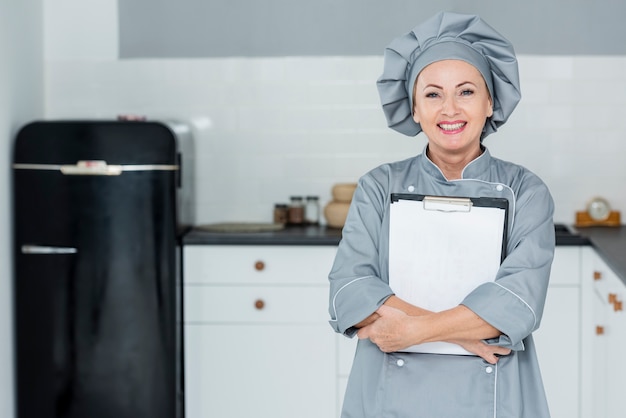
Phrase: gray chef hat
(448,36)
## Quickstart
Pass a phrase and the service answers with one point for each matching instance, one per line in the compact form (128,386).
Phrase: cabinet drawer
(566,267)
(257,264)
(255,304)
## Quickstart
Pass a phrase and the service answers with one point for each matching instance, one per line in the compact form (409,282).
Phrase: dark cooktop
(567,235)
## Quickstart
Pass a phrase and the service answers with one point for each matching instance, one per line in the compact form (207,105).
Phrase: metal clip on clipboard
(447,204)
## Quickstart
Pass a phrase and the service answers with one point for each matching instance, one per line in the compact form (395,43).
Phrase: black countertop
(321,235)
(291,235)
(610,243)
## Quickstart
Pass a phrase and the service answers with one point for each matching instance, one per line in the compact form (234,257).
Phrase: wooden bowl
(336,213)
(343,192)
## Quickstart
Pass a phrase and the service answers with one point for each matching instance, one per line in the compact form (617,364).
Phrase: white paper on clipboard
(440,249)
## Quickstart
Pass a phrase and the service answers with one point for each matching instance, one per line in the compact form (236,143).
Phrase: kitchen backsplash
(268,128)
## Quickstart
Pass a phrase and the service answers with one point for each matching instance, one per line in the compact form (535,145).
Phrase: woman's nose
(449,106)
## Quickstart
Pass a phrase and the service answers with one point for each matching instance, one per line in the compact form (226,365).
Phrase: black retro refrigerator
(99,207)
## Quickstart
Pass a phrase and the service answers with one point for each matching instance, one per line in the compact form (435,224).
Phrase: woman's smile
(452,127)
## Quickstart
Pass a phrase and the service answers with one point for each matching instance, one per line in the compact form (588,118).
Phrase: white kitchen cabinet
(258,343)
(257,339)
(609,339)
(558,339)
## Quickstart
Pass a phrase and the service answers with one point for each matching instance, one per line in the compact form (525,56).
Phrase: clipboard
(441,248)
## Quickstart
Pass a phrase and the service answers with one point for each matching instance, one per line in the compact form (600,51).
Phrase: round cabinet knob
(597,275)
(599,330)
(617,306)
(612,298)
(259,304)
(259,266)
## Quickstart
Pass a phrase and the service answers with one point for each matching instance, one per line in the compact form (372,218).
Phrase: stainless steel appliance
(99,207)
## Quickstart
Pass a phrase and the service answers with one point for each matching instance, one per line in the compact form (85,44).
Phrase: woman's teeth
(451,126)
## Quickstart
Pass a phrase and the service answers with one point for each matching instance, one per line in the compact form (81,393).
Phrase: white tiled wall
(21,100)
(268,128)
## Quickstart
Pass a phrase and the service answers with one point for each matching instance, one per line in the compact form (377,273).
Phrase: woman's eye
(467,92)
(432,95)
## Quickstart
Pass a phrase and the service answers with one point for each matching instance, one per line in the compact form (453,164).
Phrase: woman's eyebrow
(441,88)
(465,82)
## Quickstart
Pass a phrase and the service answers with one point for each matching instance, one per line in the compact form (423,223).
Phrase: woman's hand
(489,353)
(393,330)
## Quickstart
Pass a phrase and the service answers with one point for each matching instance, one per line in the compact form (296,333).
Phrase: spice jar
(281,213)
(296,211)
(312,210)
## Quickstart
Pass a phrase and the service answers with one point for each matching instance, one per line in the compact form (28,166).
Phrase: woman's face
(452,104)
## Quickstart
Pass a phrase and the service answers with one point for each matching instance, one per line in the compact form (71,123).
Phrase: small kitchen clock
(598,213)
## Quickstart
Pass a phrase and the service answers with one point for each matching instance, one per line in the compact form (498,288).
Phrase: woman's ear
(490,110)
(416,118)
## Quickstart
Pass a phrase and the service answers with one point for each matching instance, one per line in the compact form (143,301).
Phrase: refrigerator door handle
(42,249)
(96,168)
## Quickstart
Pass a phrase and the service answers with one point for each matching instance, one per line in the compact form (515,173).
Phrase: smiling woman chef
(456,79)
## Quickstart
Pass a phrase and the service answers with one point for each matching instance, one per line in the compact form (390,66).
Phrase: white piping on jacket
(523,301)
(495,393)
(340,289)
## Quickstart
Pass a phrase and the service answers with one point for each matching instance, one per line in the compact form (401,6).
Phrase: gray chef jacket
(416,385)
